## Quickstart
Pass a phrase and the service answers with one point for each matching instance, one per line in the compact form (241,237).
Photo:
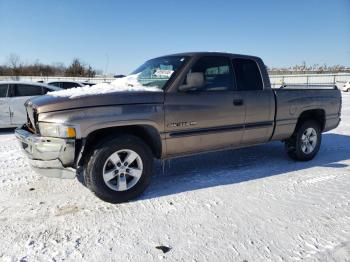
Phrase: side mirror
(193,80)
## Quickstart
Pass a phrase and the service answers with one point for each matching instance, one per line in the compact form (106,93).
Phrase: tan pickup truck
(171,106)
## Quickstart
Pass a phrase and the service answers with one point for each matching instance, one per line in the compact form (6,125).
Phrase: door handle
(238,102)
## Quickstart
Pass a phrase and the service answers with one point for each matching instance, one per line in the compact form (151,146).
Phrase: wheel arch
(147,133)
(319,115)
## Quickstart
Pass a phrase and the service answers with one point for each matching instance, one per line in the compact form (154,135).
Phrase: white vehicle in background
(346,87)
(13,94)
(69,84)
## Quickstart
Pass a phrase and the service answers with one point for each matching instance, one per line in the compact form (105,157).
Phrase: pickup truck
(170,106)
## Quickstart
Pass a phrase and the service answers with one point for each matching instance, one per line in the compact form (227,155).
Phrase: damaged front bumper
(48,156)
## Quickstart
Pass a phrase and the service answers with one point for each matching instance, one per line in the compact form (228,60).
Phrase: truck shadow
(240,165)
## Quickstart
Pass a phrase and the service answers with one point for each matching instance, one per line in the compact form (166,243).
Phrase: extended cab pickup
(170,106)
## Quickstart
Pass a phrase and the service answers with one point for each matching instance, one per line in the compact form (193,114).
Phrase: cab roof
(204,53)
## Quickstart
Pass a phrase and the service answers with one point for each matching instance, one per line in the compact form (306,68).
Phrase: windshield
(151,76)
(156,72)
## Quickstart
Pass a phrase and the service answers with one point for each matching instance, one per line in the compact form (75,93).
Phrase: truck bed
(292,101)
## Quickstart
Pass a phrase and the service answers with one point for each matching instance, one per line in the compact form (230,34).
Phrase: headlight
(56,130)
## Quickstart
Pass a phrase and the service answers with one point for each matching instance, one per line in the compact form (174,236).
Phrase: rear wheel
(119,169)
(305,142)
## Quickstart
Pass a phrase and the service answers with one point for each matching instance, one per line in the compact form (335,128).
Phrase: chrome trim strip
(201,131)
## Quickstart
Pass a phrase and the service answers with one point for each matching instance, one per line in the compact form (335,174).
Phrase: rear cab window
(247,74)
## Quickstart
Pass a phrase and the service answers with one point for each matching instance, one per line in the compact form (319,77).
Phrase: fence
(276,80)
(309,79)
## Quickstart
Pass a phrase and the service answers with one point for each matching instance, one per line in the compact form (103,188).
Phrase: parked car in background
(69,84)
(13,94)
(119,76)
(346,87)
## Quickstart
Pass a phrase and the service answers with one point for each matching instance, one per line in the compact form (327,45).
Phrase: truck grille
(31,117)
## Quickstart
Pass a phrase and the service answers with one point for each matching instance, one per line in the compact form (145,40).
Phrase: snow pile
(128,83)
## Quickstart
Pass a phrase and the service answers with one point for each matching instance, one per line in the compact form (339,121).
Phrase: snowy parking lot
(252,204)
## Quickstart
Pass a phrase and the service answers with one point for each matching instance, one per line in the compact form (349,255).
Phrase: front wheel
(119,169)
(305,142)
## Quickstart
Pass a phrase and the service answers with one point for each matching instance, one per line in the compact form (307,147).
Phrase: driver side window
(209,73)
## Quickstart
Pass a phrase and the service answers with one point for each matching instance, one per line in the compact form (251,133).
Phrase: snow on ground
(128,83)
(252,204)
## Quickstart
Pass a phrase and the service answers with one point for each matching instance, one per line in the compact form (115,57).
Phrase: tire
(299,146)
(104,160)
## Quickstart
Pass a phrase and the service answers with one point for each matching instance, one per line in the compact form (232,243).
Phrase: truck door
(259,101)
(4,106)
(20,93)
(201,115)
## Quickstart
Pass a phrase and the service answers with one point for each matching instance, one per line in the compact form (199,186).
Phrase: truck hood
(49,103)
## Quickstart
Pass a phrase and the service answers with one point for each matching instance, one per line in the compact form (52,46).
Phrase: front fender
(91,119)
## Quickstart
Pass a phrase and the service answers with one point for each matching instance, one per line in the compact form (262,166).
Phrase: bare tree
(75,69)
(304,68)
(14,60)
(15,64)
(14,67)
(78,68)
(90,72)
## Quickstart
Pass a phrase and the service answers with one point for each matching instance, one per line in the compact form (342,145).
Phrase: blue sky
(117,36)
